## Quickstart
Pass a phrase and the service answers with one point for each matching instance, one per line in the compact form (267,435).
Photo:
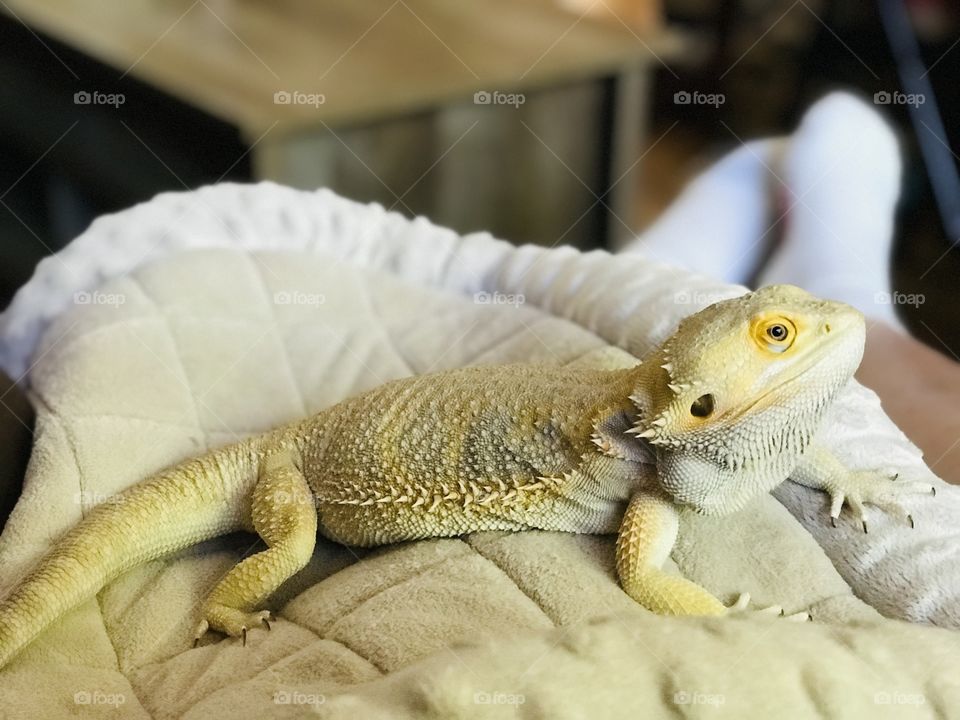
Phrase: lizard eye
(775,335)
(777,332)
(702,407)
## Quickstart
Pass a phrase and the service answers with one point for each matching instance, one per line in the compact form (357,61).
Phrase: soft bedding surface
(199,348)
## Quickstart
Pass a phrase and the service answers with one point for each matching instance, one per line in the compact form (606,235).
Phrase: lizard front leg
(647,535)
(821,470)
(285,516)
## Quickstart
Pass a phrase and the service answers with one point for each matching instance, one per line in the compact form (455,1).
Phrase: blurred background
(545,121)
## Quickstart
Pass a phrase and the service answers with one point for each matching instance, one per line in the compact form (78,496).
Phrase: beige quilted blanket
(203,347)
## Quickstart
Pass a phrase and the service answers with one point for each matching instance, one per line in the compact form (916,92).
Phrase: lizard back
(478,448)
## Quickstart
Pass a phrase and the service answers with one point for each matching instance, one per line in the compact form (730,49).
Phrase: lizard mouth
(773,396)
(776,393)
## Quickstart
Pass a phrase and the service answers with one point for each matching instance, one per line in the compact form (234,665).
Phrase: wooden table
(381,97)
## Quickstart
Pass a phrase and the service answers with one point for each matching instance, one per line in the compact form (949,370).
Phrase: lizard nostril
(826,328)
(702,407)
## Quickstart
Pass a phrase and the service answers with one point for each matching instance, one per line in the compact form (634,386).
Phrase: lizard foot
(743,605)
(860,487)
(231,622)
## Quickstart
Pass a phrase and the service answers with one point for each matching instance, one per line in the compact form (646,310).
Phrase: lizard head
(733,397)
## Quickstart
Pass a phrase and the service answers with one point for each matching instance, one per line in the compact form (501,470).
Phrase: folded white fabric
(627,300)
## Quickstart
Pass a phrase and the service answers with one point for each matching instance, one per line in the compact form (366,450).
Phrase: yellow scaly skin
(719,414)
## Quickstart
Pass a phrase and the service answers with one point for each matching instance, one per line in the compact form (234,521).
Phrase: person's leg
(718,224)
(919,389)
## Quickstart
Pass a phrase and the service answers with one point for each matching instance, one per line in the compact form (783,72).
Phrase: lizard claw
(231,622)
(200,632)
(743,602)
(856,489)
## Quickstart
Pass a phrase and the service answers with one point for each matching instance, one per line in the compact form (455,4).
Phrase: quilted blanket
(198,348)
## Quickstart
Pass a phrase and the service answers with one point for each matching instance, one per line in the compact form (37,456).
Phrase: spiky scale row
(464,496)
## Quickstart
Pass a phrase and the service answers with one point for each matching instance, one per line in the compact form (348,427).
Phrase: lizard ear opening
(703,406)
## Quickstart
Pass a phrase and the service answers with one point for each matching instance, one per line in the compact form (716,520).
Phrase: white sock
(842,170)
(717,224)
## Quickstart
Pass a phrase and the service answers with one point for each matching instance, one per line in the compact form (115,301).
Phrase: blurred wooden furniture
(376,99)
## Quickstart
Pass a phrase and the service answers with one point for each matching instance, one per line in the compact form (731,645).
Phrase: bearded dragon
(720,413)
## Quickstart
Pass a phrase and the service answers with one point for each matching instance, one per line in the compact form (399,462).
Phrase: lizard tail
(179,507)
